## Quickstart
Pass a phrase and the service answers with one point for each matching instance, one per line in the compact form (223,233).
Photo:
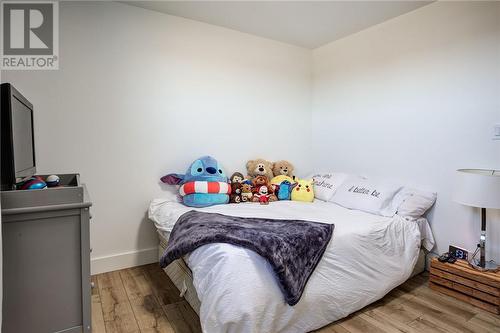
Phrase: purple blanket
(293,248)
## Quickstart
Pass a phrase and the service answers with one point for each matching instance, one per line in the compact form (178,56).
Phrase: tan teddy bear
(260,167)
(283,168)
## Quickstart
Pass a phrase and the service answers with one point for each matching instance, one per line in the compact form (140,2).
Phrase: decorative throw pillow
(325,184)
(414,202)
(365,195)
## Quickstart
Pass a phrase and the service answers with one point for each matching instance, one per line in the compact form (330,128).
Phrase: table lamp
(479,188)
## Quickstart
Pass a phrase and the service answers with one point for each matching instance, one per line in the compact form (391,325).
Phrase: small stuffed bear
(262,181)
(259,181)
(259,167)
(283,168)
(246,192)
(235,196)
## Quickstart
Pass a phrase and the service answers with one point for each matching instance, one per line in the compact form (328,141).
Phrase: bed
(233,289)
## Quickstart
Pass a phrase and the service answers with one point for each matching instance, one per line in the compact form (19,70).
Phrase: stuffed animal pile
(270,181)
(205,183)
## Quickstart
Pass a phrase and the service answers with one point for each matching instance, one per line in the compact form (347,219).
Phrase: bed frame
(182,276)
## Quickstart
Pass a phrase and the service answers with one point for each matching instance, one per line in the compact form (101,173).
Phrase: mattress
(182,277)
(233,289)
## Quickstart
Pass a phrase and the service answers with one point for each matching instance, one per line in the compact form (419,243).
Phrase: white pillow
(414,202)
(325,184)
(362,194)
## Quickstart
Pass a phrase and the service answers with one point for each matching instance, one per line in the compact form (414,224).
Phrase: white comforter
(367,257)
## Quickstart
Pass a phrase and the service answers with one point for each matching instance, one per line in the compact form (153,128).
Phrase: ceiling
(308,24)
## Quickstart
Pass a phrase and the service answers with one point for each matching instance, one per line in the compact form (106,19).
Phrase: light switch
(496,132)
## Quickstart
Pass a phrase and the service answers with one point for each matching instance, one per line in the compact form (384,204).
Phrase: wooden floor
(143,299)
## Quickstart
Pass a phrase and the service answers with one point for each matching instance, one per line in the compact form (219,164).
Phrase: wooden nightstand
(459,280)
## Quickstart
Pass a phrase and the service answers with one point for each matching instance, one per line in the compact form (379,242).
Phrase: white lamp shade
(478,188)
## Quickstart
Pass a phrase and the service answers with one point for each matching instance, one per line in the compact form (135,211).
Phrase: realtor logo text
(30,35)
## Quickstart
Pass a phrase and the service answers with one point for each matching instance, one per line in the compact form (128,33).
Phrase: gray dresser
(46,259)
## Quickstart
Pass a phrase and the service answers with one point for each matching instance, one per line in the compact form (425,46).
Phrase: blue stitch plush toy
(204,184)
(285,190)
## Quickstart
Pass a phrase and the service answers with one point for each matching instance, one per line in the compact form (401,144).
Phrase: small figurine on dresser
(32,183)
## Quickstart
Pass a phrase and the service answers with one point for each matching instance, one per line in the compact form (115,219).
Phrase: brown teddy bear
(283,168)
(260,167)
(235,196)
(259,182)
(246,192)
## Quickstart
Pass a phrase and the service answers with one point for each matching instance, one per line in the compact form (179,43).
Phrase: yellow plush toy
(279,179)
(303,191)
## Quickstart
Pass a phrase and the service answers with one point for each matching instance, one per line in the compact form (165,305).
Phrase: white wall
(140,94)
(415,98)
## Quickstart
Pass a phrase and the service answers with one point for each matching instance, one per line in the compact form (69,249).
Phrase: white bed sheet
(367,257)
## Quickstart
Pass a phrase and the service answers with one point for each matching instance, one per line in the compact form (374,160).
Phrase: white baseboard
(123,260)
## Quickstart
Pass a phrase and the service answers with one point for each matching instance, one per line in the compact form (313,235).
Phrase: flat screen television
(17,139)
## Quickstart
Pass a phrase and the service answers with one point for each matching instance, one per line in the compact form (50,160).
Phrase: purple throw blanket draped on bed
(293,248)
